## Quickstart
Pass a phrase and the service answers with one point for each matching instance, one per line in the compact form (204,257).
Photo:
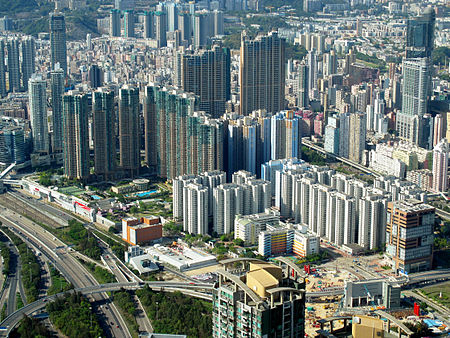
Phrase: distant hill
(10,7)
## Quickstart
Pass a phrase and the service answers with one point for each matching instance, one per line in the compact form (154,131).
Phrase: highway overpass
(190,289)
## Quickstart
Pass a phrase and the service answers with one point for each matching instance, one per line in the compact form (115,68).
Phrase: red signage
(416,309)
(307,269)
(83,206)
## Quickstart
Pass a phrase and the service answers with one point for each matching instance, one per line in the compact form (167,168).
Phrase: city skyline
(225,168)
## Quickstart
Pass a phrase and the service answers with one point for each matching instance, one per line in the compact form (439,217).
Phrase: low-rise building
(276,240)
(305,243)
(180,256)
(248,227)
(141,230)
(376,292)
(422,177)
(381,162)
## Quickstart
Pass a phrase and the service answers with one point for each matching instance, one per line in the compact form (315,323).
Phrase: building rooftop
(412,205)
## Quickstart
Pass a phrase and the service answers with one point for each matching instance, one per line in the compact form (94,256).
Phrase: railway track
(15,204)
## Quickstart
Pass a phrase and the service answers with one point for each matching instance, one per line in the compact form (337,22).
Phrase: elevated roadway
(69,266)
(353,164)
(187,288)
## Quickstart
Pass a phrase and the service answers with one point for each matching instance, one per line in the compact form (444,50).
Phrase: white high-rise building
(38,114)
(228,202)
(178,186)
(260,195)
(372,221)
(195,197)
(318,210)
(440,166)
(212,179)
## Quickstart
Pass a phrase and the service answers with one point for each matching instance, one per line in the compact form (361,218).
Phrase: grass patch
(434,292)
(3,313)
(102,276)
(19,301)
(386,267)
(59,283)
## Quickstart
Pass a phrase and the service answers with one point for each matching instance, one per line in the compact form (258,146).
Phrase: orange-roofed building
(141,230)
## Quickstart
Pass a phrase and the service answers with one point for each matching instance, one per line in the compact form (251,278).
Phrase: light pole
(90,314)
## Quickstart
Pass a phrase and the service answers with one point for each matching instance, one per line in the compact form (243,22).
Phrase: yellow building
(367,327)
(409,158)
(262,277)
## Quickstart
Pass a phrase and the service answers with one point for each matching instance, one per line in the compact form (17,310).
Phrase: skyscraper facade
(3,91)
(58,48)
(161,28)
(312,71)
(420,35)
(28,63)
(185,26)
(417,72)
(38,114)
(203,28)
(172,16)
(57,92)
(128,24)
(114,23)
(416,86)
(204,143)
(76,138)
(303,86)
(207,74)
(129,136)
(150,145)
(13,65)
(148,25)
(286,135)
(357,137)
(172,110)
(95,76)
(262,73)
(409,235)
(104,117)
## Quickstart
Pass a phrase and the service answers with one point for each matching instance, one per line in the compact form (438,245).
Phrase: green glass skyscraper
(129,136)
(104,117)
(76,138)
(58,47)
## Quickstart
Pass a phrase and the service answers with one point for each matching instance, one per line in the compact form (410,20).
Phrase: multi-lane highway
(122,273)
(353,164)
(70,267)
(187,288)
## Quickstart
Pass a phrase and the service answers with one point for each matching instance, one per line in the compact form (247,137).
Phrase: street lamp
(90,313)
